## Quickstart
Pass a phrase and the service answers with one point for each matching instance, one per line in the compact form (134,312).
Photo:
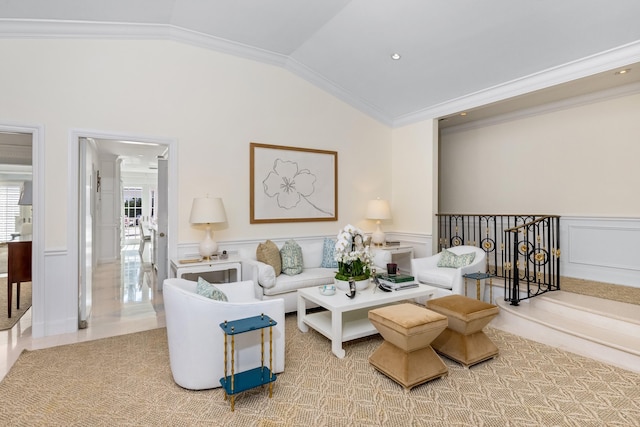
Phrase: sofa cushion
(308,278)
(291,256)
(439,277)
(311,254)
(269,253)
(208,290)
(328,251)
(450,260)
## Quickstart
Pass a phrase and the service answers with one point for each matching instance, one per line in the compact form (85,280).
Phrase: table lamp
(378,209)
(206,210)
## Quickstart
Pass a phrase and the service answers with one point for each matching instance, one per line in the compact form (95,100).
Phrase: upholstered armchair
(196,342)
(448,279)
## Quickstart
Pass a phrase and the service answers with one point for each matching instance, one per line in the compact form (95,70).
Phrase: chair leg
(9,295)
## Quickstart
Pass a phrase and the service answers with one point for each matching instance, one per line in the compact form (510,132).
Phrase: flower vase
(343,285)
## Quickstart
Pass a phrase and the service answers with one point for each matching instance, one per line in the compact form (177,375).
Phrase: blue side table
(478,277)
(241,381)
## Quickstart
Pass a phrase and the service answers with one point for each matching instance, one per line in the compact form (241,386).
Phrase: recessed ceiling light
(463,114)
(395,56)
(625,71)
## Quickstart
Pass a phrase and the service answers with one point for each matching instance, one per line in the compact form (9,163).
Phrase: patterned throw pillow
(291,255)
(269,253)
(328,250)
(208,290)
(450,260)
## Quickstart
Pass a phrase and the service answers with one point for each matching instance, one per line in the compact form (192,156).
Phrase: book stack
(397,282)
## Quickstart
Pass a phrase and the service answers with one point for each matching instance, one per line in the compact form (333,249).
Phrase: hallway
(124,301)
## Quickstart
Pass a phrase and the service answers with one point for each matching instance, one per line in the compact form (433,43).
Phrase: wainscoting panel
(601,249)
(55,311)
(421,244)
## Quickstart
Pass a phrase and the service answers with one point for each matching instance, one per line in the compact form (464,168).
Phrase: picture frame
(292,184)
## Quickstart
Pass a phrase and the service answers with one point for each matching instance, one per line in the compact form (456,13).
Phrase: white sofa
(268,286)
(196,342)
(448,280)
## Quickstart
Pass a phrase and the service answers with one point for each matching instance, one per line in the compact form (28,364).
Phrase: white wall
(214,105)
(413,162)
(579,161)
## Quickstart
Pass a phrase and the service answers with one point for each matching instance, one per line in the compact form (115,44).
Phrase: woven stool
(463,339)
(406,356)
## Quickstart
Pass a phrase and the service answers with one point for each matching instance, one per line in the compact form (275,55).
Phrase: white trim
(610,255)
(37,268)
(576,101)
(616,57)
(332,88)
(73,202)
(597,63)
(48,28)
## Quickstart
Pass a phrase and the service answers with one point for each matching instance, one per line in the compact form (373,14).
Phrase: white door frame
(74,197)
(37,252)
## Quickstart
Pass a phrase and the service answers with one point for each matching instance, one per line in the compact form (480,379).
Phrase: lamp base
(377,237)
(208,246)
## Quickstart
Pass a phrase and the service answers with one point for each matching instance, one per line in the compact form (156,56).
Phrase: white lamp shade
(378,209)
(26,194)
(206,210)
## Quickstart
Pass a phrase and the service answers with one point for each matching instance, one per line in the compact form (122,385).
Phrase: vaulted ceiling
(454,54)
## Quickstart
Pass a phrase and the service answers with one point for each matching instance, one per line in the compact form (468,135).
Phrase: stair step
(591,312)
(600,329)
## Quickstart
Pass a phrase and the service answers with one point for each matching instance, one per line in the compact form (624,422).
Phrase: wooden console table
(19,268)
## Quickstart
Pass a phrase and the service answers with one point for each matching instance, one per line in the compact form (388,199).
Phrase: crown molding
(344,95)
(603,61)
(31,29)
(584,67)
(44,28)
(576,101)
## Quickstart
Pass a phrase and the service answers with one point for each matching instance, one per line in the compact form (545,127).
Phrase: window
(9,210)
(132,211)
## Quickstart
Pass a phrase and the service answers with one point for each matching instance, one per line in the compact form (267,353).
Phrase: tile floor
(124,301)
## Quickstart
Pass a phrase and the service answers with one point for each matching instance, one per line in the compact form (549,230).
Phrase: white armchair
(196,342)
(449,280)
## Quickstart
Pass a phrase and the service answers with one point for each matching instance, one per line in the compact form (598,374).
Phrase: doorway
(111,164)
(25,161)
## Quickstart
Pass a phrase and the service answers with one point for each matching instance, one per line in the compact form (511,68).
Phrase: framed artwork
(290,184)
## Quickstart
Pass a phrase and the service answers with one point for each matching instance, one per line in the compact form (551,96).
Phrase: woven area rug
(126,380)
(628,294)
(25,303)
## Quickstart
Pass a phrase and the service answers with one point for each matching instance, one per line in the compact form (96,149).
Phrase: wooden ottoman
(406,355)
(463,339)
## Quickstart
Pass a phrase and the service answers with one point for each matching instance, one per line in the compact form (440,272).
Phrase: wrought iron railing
(522,249)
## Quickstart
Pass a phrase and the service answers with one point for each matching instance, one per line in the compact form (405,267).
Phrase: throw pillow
(269,253)
(450,260)
(328,251)
(291,254)
(208,290)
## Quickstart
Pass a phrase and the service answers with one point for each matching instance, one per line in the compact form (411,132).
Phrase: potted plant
(353,257)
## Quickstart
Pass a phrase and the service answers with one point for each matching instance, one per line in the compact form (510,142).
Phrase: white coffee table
(347,319)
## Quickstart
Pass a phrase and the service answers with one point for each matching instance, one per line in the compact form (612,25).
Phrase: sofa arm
(426,263)
(250,272)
